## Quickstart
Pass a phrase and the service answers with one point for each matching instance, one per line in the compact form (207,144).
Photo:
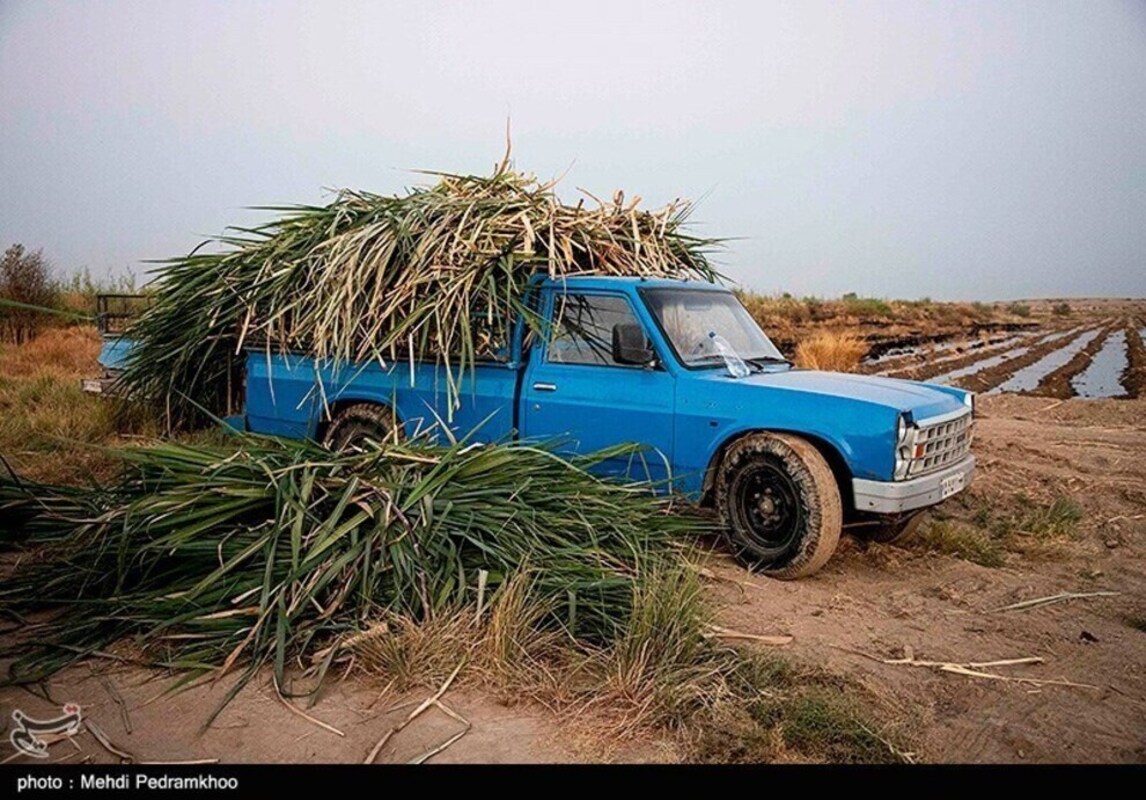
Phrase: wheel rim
(767,508)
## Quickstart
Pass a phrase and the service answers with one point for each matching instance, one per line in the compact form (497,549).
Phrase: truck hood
(855,414)
(921,399)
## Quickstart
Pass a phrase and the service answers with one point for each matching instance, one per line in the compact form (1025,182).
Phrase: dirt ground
(871,603)
(258,728)
(880,603)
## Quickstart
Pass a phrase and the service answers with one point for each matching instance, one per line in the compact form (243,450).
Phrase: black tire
(780,505)
(893,530)
(355,426)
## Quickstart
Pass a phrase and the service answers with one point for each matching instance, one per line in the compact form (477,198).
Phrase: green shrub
(866,306)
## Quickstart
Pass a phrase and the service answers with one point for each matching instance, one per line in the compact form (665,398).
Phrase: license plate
(950,485)
(92,385)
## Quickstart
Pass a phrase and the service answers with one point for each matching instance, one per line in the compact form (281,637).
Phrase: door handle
(545,387)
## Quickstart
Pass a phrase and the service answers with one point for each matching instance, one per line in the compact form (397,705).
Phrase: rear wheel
(354,427)
(780,504)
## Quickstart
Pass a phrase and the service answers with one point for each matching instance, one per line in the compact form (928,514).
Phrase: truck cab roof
(616,282)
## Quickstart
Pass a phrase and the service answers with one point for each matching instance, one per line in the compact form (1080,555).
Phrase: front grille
(940,444)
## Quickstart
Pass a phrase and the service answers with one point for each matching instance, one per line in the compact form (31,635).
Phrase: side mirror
(631,346)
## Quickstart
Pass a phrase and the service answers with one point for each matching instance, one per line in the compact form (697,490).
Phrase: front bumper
(895,497)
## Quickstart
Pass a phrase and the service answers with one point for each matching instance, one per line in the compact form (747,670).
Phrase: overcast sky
(952,150)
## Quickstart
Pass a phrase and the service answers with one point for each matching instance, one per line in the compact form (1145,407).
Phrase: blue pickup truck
(786,456)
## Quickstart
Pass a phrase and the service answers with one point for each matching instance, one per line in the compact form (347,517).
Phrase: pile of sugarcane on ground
(269,550)
(376,278)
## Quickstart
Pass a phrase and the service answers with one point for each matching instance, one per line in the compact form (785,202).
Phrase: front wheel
(780,504)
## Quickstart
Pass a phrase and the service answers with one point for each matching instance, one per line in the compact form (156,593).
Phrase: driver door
(578,397)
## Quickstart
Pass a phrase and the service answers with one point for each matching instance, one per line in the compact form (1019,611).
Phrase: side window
(582,331)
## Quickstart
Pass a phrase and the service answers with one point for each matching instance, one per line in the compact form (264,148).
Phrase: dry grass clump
(1057,519)
(67,352)
(778,710)
(961,540)
(655,665)
(1036,528)
(983,530)
(50,429)
(831,350)
(661,674)
(502,641)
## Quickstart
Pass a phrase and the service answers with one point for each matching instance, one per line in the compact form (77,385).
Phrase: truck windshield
(689,317)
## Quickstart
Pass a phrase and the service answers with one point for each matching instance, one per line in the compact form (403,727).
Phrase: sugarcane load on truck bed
(484,309)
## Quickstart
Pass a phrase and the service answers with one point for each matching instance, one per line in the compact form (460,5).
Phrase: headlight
(904,443)
(901,465)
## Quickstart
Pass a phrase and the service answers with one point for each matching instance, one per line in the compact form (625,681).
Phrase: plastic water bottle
(734,363)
